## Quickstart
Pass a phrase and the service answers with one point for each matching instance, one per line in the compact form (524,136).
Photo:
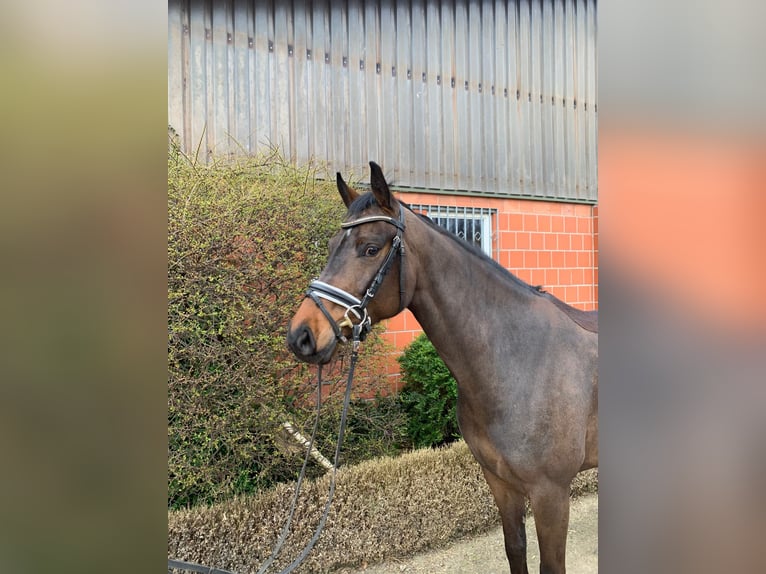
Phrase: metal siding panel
(544,62)
(462,109)
(525,100)
(373,83)
(587,106)
(403,79)
(474,127)
(252,74)
(581,118)
(536,124)
(262,129)
(389,118)
(241,96)
(434,90)
(176,71)
(357,148)
(588,142)
(281,95)
(569,55)
(197,137)
(186,66)
(300,81)
(338,72)
(319,30)
(293,91)
(449,99)
(209,79)
(420,132)
(253,78)
(268,75)
(310,89)
(232,144)
(559,101)
(515,148)
(592,70)
(190,46)
(219,126)
(501,126)
(548,107)
(489,148)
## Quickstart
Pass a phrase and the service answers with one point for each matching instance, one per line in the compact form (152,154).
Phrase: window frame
(486,216)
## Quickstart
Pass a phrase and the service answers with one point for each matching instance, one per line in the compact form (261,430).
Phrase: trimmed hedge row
(390,507)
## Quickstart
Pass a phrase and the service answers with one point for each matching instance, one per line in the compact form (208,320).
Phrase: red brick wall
(544,243)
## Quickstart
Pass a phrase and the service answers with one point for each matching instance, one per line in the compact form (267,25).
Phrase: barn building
(482,113)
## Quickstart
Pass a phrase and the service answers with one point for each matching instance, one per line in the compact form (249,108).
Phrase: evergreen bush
(429,395)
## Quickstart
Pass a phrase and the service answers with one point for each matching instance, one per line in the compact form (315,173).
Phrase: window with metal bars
(474,224)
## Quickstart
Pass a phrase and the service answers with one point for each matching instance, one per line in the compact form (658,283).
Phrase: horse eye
(371,251)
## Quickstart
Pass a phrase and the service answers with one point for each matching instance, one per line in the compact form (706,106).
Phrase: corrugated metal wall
(492,97)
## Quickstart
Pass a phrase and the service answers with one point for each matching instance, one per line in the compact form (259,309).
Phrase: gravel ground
(484,554)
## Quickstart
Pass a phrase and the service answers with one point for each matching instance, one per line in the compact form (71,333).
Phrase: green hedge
(429,395)
(244,241)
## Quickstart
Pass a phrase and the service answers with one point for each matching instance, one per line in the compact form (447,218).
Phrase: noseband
(319,290)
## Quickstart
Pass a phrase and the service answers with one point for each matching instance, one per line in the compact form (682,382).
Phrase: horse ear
(347,193)
(380,187)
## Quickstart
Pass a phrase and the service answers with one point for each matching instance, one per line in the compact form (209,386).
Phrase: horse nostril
(302,341)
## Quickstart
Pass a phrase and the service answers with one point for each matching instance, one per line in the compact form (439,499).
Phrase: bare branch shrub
(244,241)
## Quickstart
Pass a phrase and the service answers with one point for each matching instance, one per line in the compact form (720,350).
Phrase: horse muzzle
(302,341)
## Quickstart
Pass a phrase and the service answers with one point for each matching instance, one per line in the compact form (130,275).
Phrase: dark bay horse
(525,362)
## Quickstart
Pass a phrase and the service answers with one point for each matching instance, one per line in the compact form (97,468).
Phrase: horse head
(364,280)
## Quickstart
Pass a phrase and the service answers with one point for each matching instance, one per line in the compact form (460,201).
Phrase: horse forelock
(367,201)
(361,203)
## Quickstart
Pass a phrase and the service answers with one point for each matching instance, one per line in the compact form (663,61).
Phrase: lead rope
(192,567)
(346,399)
(286,528)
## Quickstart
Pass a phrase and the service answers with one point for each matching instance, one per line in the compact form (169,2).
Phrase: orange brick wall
(544,243)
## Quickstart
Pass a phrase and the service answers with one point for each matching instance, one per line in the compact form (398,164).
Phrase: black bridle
(319,290)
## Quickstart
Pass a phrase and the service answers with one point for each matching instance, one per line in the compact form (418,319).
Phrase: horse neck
(460,298)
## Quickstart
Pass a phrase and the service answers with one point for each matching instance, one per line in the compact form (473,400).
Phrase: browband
(395,222)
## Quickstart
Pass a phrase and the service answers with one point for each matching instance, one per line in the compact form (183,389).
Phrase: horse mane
(588,320)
